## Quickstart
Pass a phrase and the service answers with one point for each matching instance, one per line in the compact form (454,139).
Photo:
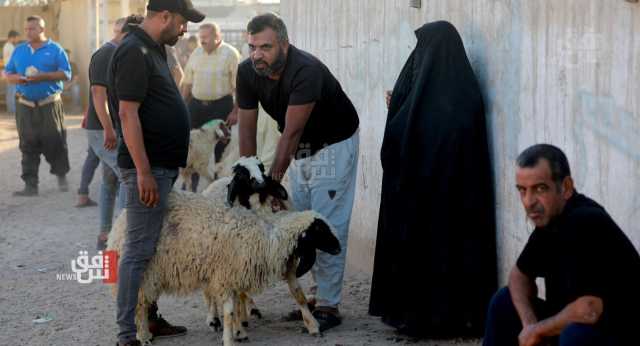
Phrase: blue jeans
(110,179)
(91,162)
(143,232)
(504,326)
(326,183)
(11,98)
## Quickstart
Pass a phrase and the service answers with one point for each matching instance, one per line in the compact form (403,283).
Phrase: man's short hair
(211,26)
(12,34)
(38,19)
(557,160)
(131,20)
(268,20)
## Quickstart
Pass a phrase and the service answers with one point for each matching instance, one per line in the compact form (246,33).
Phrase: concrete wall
(564,72)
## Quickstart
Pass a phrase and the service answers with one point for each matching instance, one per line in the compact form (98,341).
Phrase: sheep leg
(142,321)
(227,308)
(239,320)
(296,291)
(213,320)
(250,306)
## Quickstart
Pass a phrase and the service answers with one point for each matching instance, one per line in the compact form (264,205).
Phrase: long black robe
(435,262)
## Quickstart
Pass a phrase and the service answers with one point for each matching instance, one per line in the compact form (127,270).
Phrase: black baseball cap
(182,7)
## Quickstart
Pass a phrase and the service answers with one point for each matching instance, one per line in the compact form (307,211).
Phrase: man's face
(541,197)
(209,39)
(117,32)
(33,30)
(267,52)
(175,27)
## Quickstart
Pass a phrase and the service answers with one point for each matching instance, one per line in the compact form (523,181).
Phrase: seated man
(591,269)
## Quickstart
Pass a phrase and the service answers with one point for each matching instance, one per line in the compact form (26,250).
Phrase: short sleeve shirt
(50,57)
(98,68)
(305,79)
(139,72)
(583,252)
(212,75)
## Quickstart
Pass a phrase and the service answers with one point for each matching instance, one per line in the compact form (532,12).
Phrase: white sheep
(201,158)
(205,244)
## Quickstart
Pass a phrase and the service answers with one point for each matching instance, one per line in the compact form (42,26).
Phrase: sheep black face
(317,237)
(272,188)
(248,178)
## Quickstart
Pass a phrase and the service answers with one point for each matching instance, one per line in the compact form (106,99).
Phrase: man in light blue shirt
(38,67)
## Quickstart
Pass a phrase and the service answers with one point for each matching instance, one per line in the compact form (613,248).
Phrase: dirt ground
(39,237)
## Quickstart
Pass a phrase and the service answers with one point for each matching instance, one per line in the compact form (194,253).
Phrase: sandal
(88,203)
(327,318)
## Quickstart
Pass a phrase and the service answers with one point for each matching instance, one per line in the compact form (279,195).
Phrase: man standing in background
(7,51)
(39,67)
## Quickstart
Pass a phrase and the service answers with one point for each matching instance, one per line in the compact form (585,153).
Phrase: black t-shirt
(583,252)
(305,79)
(98,68)
(139,72)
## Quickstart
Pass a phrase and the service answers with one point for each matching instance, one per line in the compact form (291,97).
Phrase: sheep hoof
(245,324)
(256,313)
(216,325)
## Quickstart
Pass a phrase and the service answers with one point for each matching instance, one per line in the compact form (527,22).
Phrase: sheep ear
(306,262)
(232,192)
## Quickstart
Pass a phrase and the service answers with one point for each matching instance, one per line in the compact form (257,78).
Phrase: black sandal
(327,318)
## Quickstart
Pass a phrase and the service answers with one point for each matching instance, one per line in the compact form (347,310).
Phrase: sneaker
(160,328)
(28,191)
(63,185)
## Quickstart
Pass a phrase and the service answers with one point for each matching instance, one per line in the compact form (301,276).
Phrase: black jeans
(203,111)
(41,131)
(504,326)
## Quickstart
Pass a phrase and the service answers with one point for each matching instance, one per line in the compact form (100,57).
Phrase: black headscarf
(435,262)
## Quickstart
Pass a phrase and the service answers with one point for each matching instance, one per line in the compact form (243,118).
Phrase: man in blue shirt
(38,67)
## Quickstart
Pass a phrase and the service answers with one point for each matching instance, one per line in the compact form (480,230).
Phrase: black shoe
(29,191)
(63,185)
(327,318)
(160,328)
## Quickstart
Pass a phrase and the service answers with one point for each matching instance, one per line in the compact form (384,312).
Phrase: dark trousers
(504,325)
(41,131)
(203,111)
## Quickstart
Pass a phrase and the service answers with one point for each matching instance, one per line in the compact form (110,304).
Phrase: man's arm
(247,129)
(584,310)
(132,132)
(99,93)
(523,291)
(296,119)
(48,76)
(15,78)
(185,91)
(177,74)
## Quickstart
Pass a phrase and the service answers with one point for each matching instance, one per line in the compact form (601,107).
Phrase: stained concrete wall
(563,72)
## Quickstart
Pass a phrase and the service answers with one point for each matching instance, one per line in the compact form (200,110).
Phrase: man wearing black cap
(154,126)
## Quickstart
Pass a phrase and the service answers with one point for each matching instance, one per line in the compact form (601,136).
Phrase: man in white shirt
(7,50)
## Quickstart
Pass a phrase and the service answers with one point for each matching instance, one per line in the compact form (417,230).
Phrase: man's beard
(269,69)
(168,37)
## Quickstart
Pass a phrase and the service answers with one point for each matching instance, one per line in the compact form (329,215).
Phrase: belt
(210,102)
(45,101)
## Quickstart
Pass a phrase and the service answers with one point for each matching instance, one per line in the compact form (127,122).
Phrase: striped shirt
(212,76)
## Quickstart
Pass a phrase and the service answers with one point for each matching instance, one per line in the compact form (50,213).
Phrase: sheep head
(248,178)
(317,236)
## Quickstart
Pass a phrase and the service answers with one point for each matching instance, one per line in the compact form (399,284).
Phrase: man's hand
(277,205)
(110,139)
(529,336)
(387,97)
(148,190)
(232,118)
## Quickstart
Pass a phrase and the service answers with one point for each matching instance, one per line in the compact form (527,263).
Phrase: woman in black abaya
(435,261)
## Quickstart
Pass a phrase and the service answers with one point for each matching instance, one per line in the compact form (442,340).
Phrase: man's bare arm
(99,94)
(132,132)
(248,128)
(523,291)
(296,119)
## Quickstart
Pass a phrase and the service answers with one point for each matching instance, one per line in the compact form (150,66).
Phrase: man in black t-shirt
(100,128)
(591,269)
(154,125)
(319,127)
